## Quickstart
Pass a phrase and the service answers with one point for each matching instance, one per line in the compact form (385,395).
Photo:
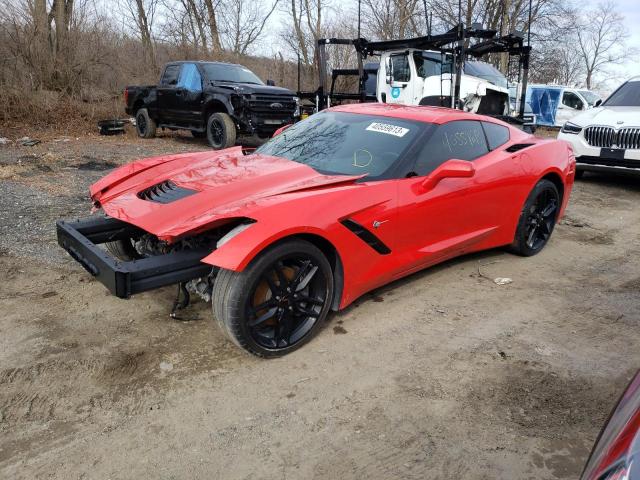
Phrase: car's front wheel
(221,131)
(537,219)
(278,302)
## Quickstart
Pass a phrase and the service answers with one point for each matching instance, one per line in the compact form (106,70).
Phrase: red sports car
(343,202)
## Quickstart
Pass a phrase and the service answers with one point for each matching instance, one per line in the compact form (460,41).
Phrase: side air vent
(165,192)
(516,147)
(366,236)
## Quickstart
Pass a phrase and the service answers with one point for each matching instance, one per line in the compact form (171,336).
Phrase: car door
(399,88)
(570,106)
(457,215)
(188,96)
(168,106)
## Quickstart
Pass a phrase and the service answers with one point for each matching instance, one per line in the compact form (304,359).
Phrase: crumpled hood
(628,116)
(249,88)
(228,185)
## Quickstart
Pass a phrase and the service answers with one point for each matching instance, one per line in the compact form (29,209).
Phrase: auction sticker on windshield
(388,129)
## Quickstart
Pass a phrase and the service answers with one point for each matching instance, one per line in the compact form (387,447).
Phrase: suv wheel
(221,131)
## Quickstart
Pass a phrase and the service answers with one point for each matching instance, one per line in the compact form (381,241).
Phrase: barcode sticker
(388,129)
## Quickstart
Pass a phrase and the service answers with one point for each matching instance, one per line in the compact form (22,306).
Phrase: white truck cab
(423,77)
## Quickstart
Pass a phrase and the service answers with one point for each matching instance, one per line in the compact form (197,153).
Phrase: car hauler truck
(437,70)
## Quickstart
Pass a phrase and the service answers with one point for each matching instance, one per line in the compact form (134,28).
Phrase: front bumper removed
(82,237)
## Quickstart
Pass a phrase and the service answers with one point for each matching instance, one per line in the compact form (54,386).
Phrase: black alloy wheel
(278,302)
(217,131)
(286,302)
(221,131)
(141,123)
(145,126)
(542,219)
(538,219)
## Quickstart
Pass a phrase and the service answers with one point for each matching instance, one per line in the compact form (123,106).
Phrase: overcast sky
(631,11)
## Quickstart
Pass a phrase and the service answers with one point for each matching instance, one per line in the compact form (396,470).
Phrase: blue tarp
(544,103)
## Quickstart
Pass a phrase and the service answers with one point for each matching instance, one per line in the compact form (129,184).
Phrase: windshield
(346,143)
(590,97)
(429,64)
(628,95)
(224,72)
(485,71)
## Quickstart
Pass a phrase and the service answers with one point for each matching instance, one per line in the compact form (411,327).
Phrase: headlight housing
(237,101)
(233,232)
(572,128)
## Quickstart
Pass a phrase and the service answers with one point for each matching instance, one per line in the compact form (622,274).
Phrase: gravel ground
(441,375)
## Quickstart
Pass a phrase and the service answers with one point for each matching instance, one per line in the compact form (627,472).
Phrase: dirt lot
(441,375)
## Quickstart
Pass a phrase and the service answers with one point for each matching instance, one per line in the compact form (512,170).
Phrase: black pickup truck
(212,99)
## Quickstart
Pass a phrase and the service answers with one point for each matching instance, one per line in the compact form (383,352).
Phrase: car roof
(437,115)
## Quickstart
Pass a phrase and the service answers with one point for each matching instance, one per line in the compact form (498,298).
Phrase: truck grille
(606,137)
(165,192)
(272,104)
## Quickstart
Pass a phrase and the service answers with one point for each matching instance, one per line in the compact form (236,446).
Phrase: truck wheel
(537,219)
(221,131)
(278,302)
(122,250)
(145,126)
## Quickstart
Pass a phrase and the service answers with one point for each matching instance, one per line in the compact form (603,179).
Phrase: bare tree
(246,21)
(307,18)
(390,19)
(602,37)
(140,15)
(212,14)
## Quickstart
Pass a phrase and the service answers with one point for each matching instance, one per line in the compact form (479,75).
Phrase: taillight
(126,96)
(616,454)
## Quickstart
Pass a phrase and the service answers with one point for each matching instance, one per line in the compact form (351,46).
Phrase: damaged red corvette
(343,202)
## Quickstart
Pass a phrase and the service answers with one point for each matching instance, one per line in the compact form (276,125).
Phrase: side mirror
(271,83)
(450,169)
(280,130)
(598,103)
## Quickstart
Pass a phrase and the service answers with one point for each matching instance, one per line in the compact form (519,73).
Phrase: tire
(198,134)
(122,250)
(221,131)
(537,219)
(288,318)
(145,125)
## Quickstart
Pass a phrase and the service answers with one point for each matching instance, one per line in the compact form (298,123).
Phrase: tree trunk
(145,34)
(216,46)
(199,25)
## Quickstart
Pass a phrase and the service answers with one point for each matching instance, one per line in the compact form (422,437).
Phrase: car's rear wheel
(145,126)
(221,131)
(537,219)
(278,302)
